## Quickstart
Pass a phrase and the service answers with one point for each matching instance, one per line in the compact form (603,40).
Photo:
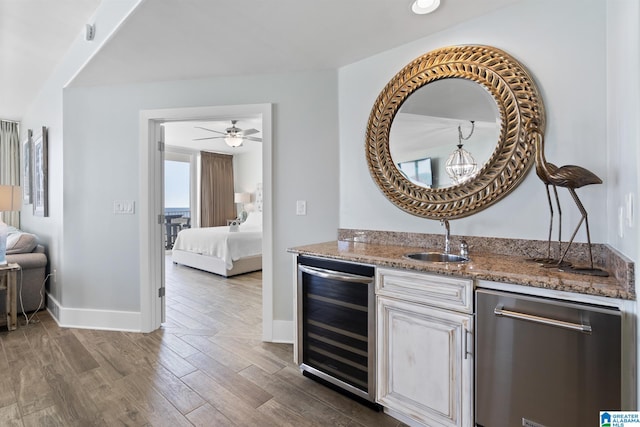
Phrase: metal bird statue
(569,177)
(534,133)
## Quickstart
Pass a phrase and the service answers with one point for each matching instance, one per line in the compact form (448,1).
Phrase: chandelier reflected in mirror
(461,165)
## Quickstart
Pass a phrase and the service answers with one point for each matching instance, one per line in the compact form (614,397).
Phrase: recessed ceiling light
(422,7)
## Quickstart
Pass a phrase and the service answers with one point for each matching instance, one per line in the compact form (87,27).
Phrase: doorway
(151,205)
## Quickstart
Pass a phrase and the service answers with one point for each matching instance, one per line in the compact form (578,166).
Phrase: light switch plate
(301,207)
(630,209)
(621,222)
(123,207)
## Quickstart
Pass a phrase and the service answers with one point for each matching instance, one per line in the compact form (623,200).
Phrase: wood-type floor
(206,366)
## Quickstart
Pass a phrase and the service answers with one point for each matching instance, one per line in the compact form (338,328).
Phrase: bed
(222,251)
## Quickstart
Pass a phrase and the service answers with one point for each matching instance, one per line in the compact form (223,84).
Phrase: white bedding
(221,243)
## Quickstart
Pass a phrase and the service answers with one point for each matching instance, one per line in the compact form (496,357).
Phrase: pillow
(21,243)
(233,225)
(254,220)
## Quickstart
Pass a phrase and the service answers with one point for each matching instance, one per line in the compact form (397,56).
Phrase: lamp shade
(10,198)
(242,197)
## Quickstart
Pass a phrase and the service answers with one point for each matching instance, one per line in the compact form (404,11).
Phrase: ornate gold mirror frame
(518,101)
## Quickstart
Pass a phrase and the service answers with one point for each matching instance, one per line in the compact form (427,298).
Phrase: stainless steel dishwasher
(544,362)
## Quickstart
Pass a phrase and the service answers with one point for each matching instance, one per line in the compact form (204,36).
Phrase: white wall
(565,53)
(47,111)
(247,171)
(623,131)
(101,165)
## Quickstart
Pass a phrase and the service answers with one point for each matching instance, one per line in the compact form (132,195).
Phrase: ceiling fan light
(422,7)
(233,141)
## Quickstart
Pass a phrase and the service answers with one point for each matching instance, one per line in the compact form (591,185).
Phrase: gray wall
(565,53)
(102,164)
(47,111)
(623,126)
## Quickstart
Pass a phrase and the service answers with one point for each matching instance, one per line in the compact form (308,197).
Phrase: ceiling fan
(233,135)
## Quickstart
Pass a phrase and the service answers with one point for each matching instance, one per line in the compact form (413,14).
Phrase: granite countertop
(513,269)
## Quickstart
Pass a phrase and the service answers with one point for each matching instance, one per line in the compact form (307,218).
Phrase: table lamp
(9,201)
(242,199)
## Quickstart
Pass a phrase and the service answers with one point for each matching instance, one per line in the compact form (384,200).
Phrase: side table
(8,282)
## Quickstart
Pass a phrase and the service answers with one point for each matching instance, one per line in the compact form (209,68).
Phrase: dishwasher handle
(336,275)
(583,327)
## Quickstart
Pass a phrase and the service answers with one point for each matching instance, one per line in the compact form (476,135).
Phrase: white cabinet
(424,347)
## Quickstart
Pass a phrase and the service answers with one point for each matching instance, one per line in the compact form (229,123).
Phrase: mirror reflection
(451,119)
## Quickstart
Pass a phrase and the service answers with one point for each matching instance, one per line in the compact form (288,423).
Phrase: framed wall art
(27,190)
(40,174)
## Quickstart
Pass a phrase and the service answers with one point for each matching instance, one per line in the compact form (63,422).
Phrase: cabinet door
(425,368)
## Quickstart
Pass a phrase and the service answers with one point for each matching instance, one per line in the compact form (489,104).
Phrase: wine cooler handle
(337,275)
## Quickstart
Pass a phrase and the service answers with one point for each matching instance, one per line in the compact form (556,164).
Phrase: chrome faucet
(447,234)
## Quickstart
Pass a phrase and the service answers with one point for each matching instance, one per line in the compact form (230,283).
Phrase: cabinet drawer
(448,292)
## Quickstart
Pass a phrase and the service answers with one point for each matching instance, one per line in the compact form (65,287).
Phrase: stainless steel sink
(436,257)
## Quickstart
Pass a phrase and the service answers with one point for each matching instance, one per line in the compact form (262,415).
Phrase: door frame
(151,167)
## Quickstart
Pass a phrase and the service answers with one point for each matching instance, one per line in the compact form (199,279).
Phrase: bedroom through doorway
(213,202)
(152,252)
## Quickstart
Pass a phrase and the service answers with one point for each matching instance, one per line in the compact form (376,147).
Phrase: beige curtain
(216,197)
(10,163)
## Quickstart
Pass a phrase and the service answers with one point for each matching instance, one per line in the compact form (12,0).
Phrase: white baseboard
(282,331)
(129,321)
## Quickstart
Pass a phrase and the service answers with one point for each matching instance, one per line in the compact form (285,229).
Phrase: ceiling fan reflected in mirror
(233,135)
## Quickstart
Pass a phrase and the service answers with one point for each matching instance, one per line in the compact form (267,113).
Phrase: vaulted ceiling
(186,39)
(34,36)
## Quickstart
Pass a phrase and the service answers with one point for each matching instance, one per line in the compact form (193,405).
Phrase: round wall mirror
(445,137)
